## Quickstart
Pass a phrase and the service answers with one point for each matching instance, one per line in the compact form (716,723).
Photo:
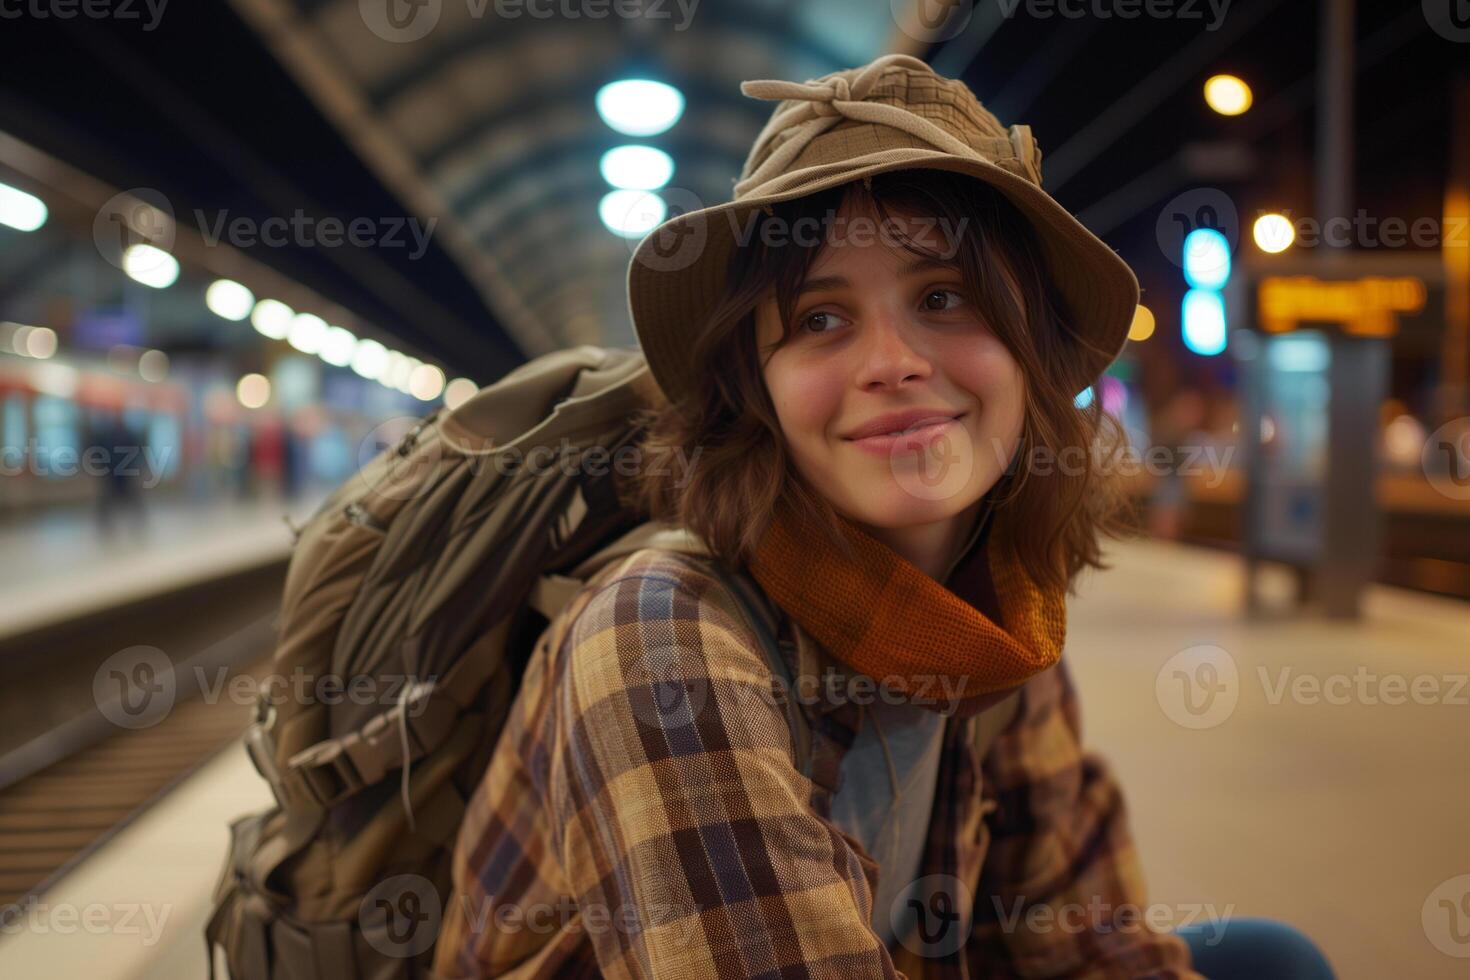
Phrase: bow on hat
(820,105)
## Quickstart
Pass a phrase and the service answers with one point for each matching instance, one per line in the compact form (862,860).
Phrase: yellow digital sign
(1366,307)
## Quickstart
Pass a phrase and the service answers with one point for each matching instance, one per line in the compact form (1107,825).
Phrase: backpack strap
(552,592)
(328,772)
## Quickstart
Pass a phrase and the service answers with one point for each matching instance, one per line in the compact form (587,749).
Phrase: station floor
(1283,766)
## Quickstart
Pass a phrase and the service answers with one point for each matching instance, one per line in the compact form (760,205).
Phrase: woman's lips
(919,438)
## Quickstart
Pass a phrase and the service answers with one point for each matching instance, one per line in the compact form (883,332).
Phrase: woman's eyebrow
(915,267)
(926,264)
(822,283)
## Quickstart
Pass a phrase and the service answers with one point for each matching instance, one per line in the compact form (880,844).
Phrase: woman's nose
(889,357)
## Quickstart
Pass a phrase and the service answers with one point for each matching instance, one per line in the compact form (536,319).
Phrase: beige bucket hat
(894,113)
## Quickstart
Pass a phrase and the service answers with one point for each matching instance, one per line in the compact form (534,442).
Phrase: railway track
(66,790)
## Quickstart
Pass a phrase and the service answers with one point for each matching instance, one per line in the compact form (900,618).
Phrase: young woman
(872,356)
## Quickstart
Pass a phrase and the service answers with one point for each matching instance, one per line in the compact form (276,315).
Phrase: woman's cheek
(806,403)
(996,381)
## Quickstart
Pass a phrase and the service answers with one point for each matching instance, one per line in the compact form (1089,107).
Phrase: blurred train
(66,429)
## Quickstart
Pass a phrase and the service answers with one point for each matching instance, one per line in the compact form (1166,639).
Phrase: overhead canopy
(483,116)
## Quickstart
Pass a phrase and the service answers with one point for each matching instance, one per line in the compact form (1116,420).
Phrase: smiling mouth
(916,427)
(921,425)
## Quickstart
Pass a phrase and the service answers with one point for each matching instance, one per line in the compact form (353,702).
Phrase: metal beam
(1112,210)
(1130,109)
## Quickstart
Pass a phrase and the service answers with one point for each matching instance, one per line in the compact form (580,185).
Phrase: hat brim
(672,288)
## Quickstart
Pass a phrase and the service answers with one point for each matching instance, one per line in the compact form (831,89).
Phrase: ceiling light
(369,359)
(272,318)
(632,214)
(459,391)
(1273,233)
(639,168)
(227,298)
(1204,322)
(1227,95)
(338,346)
(1206,258)
(639,106)
(21,211)
(151,266)
(426,382)
(307,332)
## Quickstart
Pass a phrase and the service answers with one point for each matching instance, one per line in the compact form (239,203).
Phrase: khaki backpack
(413,598)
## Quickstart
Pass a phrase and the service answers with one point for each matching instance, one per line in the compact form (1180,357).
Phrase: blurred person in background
(121,452)
(1176,427)
(293,448)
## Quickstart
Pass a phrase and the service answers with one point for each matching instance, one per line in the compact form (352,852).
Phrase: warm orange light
(1227,95)
(1142,327)
(1273,233)
(253,390)
(1367,307)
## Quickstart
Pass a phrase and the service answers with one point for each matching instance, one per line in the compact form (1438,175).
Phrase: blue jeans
(1255,949)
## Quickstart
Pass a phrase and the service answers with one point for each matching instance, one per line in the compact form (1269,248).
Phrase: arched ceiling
(487,125)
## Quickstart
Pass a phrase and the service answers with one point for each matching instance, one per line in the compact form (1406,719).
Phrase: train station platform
(60,567)
(1282,766)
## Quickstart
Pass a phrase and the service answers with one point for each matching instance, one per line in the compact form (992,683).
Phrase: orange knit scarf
(883,616)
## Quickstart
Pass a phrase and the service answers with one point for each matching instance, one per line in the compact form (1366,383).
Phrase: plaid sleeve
(678,815)
(1061,891)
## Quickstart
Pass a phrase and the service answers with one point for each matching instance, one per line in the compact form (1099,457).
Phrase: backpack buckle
(325,773)
(336,769)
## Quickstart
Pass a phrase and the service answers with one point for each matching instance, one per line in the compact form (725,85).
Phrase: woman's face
(878,330)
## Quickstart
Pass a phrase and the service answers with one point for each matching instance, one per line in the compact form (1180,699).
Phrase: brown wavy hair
(731,438)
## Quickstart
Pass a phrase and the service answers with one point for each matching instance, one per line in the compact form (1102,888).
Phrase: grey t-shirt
(892,826)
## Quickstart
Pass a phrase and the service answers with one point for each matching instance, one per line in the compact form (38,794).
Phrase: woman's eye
(938,300)
(819,319)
